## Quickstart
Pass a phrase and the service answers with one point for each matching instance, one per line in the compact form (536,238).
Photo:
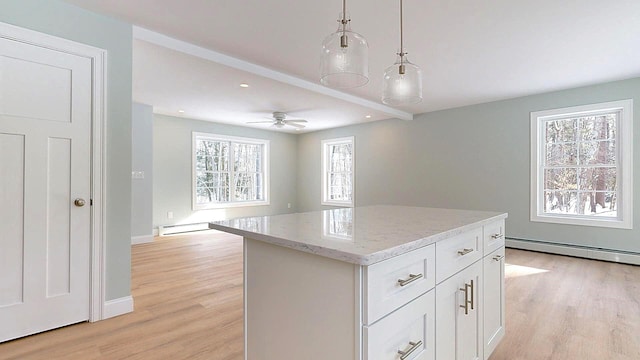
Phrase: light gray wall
(61,19)
(475,157)
(142,161)
(172,186)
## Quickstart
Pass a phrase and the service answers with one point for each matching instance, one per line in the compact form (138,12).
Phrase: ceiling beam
(208,54)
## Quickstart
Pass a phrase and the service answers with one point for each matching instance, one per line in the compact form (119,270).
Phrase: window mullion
(232,172)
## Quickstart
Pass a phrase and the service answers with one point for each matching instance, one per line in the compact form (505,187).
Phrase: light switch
(137,174)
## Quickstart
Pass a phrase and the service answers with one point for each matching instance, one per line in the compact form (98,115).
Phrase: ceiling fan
(280,122)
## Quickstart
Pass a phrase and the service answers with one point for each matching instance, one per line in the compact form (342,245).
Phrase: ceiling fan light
(344,62)
(402,89)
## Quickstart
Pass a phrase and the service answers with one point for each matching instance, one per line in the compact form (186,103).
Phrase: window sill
(230,205)
(572,220)
(336,203)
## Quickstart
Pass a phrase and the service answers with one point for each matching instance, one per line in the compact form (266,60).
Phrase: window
(581,165)
(229,171)
(337,171)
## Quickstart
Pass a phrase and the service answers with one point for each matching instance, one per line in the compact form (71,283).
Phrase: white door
(45,158)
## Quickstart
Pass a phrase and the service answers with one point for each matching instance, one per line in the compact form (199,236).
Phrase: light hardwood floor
(188,300)
(188,305)
(561,307)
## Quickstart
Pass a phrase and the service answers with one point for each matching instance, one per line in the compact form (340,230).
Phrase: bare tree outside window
(337,182)
(228,171)
(580,165)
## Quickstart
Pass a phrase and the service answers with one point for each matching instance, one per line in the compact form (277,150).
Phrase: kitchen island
(378,282)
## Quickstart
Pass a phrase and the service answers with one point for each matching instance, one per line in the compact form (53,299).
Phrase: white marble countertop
(361,235)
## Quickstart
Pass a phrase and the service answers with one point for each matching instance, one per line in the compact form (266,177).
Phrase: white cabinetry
(399,307)
(493,300)
(409,330)
(470,306)
(443,301)
(459,315)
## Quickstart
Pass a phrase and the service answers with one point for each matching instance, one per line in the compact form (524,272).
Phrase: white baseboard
(577,251)
(141,239)
(116,307)
(181,228)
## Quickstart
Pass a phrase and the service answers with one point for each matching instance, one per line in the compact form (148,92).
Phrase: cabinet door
(494,301)
(459,335)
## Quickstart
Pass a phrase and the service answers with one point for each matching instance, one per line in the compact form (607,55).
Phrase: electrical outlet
(169,214)
(288,205)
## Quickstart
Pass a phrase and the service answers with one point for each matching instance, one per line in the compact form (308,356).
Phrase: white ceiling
(470,52)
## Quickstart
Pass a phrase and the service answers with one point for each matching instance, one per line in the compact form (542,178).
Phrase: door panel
(58,227)
(26,82)
(12,213)
(45,138)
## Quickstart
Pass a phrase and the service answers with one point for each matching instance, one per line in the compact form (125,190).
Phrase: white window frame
(624,162)
(232,139)
(325,161)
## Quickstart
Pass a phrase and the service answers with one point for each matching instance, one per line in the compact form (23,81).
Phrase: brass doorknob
(79,202)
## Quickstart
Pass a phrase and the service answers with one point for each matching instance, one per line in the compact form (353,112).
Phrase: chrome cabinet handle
(498,257)
(79,202)
(468,288)
(497,236)
(472,289)
(464,252)
(414,346)
(412,278)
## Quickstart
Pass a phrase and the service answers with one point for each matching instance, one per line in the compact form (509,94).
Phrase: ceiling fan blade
(259,122)
(298,120)
(297,126)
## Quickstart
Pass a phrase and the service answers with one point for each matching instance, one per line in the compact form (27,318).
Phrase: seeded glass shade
(344,67)
(402,89)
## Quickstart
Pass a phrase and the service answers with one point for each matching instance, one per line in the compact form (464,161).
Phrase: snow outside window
(581,165)
(337,171)
(229,171)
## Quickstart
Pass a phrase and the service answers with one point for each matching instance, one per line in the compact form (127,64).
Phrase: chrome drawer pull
(497,236)
(412,278)
(498,257)
(414,346)
(464,252)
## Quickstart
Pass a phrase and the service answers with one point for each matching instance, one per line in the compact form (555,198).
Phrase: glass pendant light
(402,83)
(344,61)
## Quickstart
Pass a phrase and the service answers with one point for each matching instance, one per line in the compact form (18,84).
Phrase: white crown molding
(208,54)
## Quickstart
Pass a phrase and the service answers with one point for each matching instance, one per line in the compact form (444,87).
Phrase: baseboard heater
(182,228)
(625,257)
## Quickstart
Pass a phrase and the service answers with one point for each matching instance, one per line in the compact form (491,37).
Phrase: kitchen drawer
(493,235)
(458,252)
(394,282)
(410,327)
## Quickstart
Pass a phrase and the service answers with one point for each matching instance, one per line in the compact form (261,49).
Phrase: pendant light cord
(401,33)
(344,42)
(401,68)
(344,14)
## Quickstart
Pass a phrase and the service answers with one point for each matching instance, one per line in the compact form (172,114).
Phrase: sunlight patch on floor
(512,271)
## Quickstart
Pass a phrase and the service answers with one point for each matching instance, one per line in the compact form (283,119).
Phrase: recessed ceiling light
(244,85)
(368,116)
(181,111)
